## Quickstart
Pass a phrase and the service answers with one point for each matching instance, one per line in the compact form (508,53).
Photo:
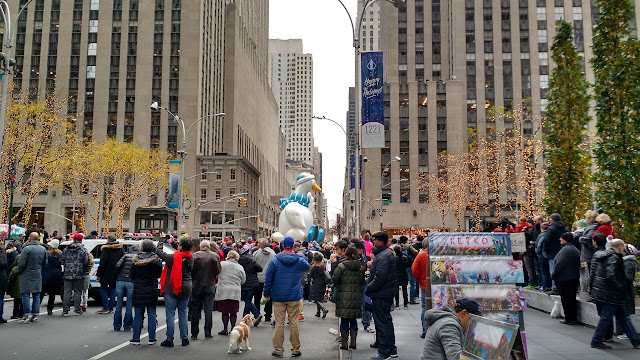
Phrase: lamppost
(182,153)
(356,47)
(8,62)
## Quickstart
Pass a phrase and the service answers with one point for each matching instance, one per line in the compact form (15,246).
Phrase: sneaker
(194,337)
(300,318)
(272,324)
(185,342)
(24,321)
(152,341)
(406,307)
(208,337)
(274,353)
(33,319)
(601,345)
(423,335)
(102,311)
(64,314)
(3,321)
(324,313)
(609,340)
(298,354)
(134,342)
(109,311)
(167,343)
(369,329)
(223,333)
(394,355)
(77,314)
(256,322)
(636,346)
(552,292)
(622,337)
(380,357)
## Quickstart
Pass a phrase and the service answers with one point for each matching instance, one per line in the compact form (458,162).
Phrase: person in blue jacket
(282,287)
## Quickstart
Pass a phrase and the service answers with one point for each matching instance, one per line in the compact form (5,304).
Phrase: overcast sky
(325,30)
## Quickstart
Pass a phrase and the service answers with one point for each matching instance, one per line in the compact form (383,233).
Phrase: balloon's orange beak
(316,188)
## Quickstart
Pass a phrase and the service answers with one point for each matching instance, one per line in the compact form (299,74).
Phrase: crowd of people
(367,278)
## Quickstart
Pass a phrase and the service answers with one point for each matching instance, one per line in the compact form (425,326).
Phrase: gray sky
(325,30)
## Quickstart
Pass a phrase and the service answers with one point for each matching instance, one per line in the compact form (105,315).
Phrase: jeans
(567,291)
(74,285)
(384,326)
(1,304)
(423,304)
(529,264)
(171,303)
(366,315)
(151,321)
(123,288)
(36,304)
(249,307)
(553,282)
(347,324)
(607,312)
(413,285)
(108,295)
(404,295)
(544,274)
(202,297)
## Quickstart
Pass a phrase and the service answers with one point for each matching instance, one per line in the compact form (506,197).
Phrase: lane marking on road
(42,313)
(125,344)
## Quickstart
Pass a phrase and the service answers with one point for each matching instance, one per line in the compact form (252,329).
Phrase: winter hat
(243,250)
(78,237)
(468,304)
(382,236)
(287,242)
(568,237)
(94,233)
(54,243)
(630,250)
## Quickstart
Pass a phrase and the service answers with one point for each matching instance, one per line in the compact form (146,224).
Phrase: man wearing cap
(443,340)
(282,286)
(566,273)
(74,259)
(381,288)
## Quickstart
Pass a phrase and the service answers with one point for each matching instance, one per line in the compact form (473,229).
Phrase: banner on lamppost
(372,100)
(174,184)
(352,172)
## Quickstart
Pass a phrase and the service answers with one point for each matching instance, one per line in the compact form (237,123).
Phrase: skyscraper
(447,64)
(112,58)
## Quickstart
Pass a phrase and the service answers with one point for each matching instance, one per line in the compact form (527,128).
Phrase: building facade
(447,64)
(113,58)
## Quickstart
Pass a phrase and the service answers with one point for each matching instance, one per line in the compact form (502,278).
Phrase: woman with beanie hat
(52,275)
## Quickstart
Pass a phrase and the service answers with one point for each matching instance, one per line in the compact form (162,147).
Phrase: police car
(94,246)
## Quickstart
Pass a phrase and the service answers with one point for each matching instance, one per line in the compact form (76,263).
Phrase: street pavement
(91,336)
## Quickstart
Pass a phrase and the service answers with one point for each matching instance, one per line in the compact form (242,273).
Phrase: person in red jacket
(523,225)
(419,270)
(604,225)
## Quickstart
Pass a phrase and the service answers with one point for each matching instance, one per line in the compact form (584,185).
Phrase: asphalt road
(91,336)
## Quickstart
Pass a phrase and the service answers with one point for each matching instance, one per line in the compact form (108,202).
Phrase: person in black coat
(319,280)
(144,273)
(107,274)
(52,275)
(4,279)
(402,263)
(566,273)
(551,243)
(381,288)
(251,270)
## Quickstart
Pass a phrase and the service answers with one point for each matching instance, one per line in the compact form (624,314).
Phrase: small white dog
(240,333)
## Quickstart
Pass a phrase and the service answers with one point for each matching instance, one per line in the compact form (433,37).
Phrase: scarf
(176,272)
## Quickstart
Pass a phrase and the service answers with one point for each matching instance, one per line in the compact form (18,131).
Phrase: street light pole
(356,47)
(183,155)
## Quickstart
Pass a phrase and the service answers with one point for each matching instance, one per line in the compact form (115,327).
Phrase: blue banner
(174,184)
(372,76)
(352,171)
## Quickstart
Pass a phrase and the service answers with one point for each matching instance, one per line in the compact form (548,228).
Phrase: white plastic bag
(557,311)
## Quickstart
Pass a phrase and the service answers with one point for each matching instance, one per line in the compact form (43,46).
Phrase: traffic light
(244,202)
(239,202)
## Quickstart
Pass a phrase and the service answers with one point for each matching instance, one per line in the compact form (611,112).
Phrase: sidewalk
(546,339)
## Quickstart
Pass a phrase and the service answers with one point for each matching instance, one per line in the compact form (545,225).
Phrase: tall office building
(291,79)
(447,64)
(113,58)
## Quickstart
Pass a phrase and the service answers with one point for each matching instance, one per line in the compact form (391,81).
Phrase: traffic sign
(204,228)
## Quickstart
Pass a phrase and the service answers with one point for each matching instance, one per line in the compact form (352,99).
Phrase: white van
(94,246)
